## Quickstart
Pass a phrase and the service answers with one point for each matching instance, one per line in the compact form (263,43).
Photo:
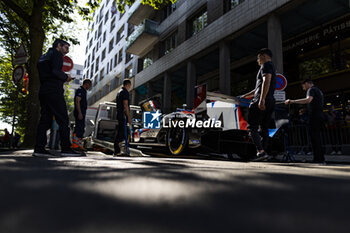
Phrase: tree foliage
(32,22)
(156,4)
(9,94)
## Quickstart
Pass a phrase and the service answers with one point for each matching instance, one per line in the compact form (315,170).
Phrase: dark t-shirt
(315,108)
(50,72)
(81,92)
(266,68)
(122,95)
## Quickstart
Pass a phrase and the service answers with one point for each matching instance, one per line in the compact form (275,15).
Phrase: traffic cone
(75,142)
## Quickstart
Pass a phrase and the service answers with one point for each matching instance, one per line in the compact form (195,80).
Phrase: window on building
(198,22)
(120,56)
(120,35)
(100,30)
(78,72)
(93,55)
(168,10)
(115,59)
(101,13)
(86,49)
(128,57)
(111,65)
(95,78)
(106,17)
(169,43)
(104,36)
(88,61)
(128,72)
(96,35)
(103,56)
(102,74)
(92,69)
(131,29)
(110,45)
(97,62)
(112,24)
(90,43)
(230,4)
(100,95)
(147,60)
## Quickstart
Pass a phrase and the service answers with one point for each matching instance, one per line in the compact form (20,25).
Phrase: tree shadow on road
(140,195)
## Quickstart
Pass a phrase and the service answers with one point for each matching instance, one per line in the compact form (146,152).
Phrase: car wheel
(177,139)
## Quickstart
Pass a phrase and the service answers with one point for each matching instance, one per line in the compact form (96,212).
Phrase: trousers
(258,118)
(53,105)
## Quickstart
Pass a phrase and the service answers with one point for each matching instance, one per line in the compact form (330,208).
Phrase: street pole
(14,118)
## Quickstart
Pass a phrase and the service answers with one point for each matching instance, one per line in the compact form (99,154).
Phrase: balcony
(140,13)
(143,38)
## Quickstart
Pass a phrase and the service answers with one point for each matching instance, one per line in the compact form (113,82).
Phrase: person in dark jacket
(80,106)
(315,101)
(262,104)
(52,102)
(123,115)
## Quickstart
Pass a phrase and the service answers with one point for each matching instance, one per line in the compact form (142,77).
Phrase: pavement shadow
(133,195)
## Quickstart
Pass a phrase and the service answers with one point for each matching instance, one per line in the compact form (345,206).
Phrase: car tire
(176,140)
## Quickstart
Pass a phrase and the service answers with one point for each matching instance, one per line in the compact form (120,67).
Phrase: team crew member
(263,103)
(52,100)
(80,106)
(315,101)
(123,114)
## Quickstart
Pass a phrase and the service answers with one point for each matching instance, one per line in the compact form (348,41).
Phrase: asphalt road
(99,193)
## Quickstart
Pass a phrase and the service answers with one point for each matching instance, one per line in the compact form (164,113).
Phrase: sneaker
(319,162)
(339,153)
(71,153)
(43,154)
(333,153)
(261,157)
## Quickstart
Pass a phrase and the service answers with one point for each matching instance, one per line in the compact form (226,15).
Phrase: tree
(156,4)
(9,95)
(30,22)
(37,18)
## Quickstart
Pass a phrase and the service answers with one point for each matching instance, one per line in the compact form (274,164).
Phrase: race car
(217,124)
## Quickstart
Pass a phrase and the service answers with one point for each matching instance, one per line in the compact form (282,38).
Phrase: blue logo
(151,120)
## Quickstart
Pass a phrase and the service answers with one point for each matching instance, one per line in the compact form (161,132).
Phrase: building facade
(168,52)
(77,74)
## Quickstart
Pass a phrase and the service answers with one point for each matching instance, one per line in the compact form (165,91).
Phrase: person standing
(123,115)
(52,102)
(315,101)
(262,104)
(6,138)
(80,106)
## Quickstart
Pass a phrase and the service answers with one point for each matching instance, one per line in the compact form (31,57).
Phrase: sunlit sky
(77,52)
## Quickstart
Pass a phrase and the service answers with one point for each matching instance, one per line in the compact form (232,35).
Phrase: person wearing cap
(262,104)
(51,97)
(315,101)
(80,106)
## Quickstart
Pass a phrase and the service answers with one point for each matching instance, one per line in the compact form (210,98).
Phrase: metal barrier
(334,137)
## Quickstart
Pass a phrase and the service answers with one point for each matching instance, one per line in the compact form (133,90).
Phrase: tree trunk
(37,37)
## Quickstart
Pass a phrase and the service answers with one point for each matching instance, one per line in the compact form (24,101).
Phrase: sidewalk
(328,158)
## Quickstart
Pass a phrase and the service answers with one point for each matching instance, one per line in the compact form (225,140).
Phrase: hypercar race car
(216,124)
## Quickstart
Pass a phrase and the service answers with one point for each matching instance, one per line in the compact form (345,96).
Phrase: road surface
(99,193)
